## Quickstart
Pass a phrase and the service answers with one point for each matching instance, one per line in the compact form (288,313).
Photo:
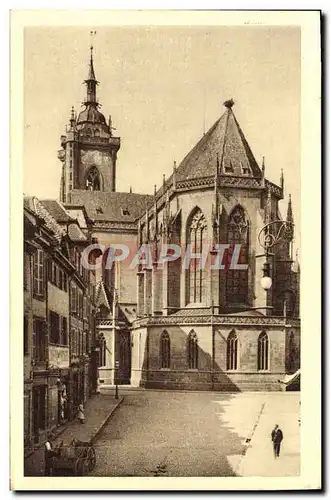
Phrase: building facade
(172,325)
(60,369)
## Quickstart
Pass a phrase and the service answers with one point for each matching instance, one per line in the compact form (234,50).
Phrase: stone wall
(212,373)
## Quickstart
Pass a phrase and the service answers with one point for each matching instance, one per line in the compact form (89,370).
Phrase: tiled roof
(129,312)
(112,207)
(57,211)
(32,203)
(75,233)
(101,295)
(224,142)
(194,311)
(206,311)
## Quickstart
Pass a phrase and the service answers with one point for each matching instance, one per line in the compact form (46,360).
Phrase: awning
(290,379)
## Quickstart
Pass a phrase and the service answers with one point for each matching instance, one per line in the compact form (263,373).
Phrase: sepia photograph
(161,238)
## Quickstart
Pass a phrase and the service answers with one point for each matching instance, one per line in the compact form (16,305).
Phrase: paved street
(164,433)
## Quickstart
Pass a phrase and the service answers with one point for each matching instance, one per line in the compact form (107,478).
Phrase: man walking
(276,438)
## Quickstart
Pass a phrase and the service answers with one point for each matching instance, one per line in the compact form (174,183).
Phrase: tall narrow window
(54,327)
(73,299)
(73,341)
(232,352)
(263,352)
(38,340)
(93,180)
(102,352)
(237,279)
(26,271)
(64,331)
(38,275)
(197,235)
(192,350)
(26,335)
(165,350)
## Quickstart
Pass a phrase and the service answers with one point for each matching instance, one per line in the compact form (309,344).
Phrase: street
(164,433)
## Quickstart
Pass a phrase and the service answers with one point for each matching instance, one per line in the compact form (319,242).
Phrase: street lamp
(270,235)
(266,281)
(116,378)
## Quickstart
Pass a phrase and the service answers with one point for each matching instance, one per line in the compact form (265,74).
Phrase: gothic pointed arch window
(192,350)
(165,350)
(102,352)
(196,236)
(93,180)
(263,352)
(237,279)
(232,351)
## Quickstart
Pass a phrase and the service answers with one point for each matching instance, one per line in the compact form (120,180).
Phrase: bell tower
(88,149)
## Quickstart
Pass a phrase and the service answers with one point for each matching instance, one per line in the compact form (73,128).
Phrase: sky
(164,86)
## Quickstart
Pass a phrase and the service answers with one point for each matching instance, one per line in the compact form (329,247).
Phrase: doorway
(124,369)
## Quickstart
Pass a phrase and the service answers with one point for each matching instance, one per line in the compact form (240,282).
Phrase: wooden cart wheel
(85,467)
(80,451)
(91,457)
(78,467)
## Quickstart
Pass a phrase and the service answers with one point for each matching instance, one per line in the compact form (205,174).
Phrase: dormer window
(99,210)
(245,169)
(228,168)
(125,211)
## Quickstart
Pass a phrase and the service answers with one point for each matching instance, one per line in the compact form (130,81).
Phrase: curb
(93,439)
(249,439)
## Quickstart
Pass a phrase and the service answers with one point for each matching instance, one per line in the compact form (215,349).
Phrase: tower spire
(289,217)
(72,118)
(91,81)
(289,228)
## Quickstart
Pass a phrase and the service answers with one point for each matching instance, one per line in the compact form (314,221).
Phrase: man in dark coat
(48,449)
(276,438)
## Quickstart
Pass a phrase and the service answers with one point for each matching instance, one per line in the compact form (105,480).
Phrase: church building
(164,324)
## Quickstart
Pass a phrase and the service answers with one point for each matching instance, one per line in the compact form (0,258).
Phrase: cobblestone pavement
(97,410)
(164,433)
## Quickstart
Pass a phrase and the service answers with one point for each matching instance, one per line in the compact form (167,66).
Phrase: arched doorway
(124,358)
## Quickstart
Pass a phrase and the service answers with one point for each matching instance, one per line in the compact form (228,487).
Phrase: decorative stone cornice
(241,182)
(218,320)
(274,189)
(119,226)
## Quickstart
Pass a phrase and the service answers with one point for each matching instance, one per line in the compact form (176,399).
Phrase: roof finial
(72,117)
(130,189)
(92,35)
(174,175)
(154,189)
(282,179)
(290,221)
(91,81)
(228,104)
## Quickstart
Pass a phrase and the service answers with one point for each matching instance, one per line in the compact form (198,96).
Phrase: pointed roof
(289,217)
(91,74)
(101,295)
(225,145)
